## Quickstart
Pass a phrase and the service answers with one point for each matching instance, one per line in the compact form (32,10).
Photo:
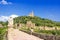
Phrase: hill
(37,20)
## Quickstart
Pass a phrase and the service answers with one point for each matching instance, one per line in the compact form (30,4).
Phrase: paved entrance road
(15,34)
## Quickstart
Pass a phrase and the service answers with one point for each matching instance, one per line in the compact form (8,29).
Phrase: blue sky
(43,8)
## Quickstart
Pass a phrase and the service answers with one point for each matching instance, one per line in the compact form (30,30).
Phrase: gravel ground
(15,34)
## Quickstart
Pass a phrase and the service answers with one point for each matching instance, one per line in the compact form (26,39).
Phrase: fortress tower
(31,14)
(10,22)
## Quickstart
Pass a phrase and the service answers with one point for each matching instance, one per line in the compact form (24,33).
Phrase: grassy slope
(37,20)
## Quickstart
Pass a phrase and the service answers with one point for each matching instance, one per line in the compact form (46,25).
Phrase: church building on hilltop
(31,14)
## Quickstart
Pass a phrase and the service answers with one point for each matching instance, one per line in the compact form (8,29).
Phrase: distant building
(31,14)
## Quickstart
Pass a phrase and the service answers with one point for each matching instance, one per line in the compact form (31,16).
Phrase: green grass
(2,32)
(25,29)
(37,30)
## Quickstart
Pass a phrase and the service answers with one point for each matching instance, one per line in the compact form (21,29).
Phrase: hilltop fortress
(29,24)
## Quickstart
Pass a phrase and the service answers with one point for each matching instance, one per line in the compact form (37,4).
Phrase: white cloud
(5,18)
(5,2)
(13,16)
